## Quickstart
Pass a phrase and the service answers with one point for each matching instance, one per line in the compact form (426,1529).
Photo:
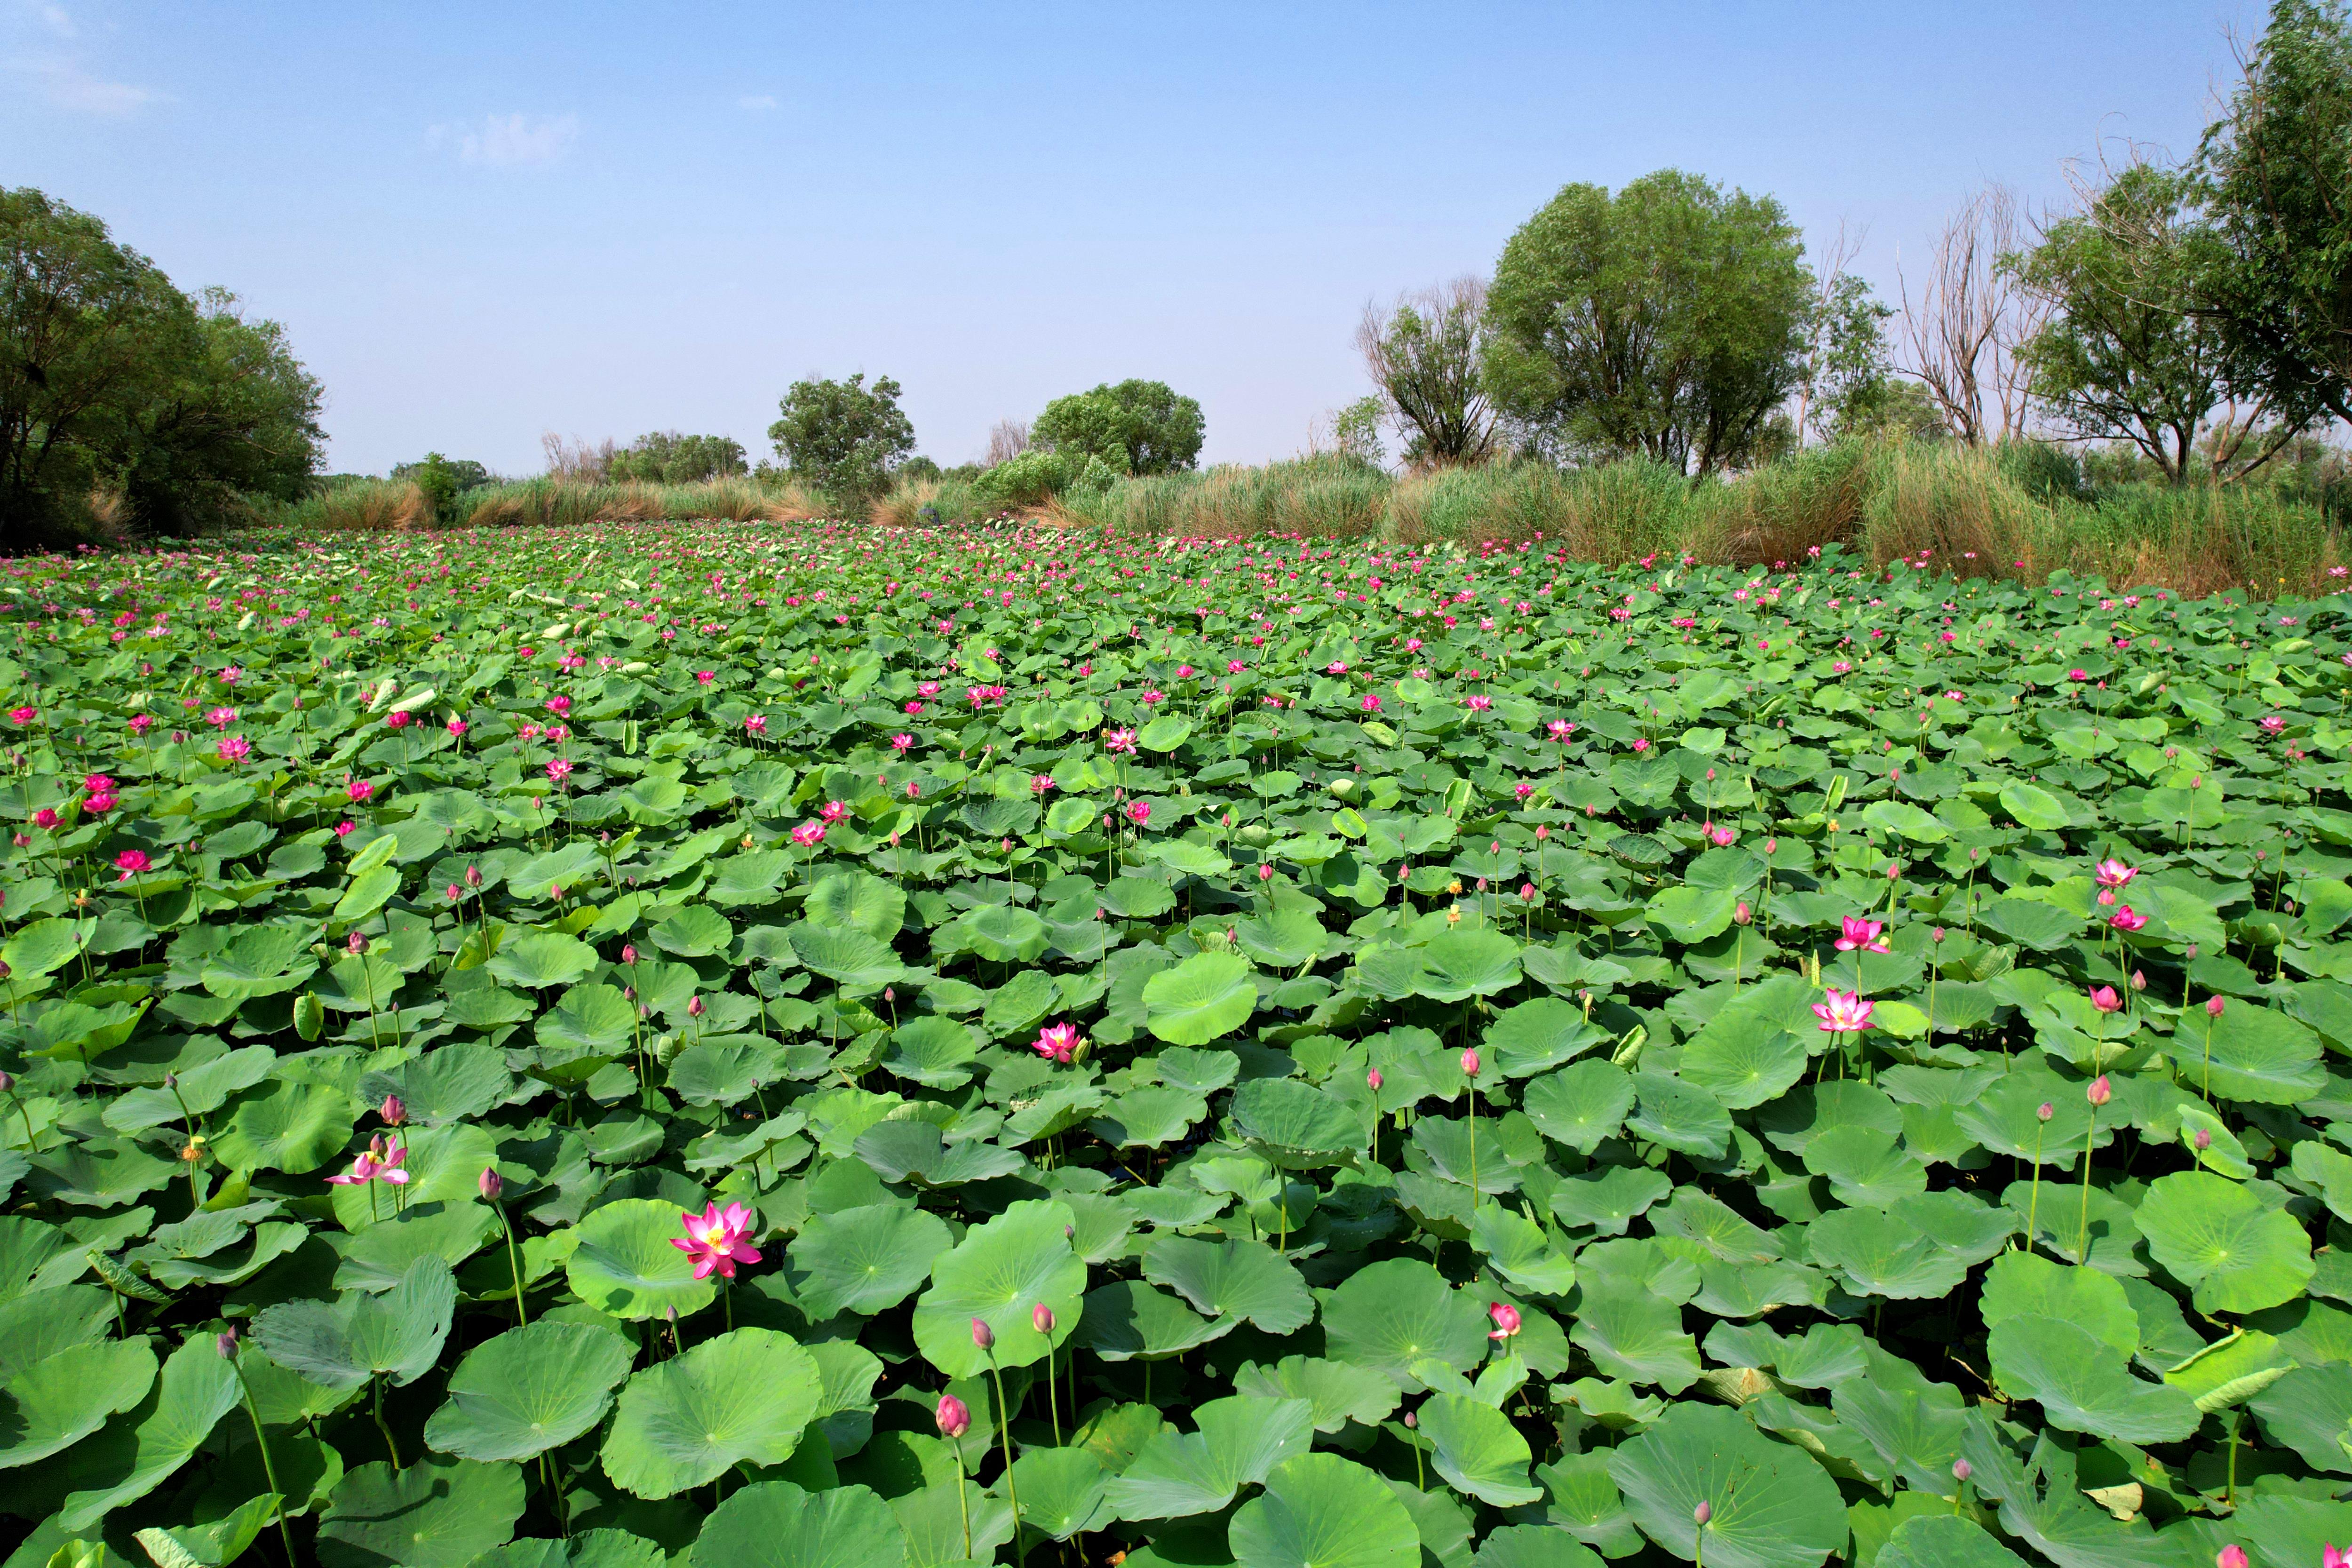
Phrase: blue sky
(482,222)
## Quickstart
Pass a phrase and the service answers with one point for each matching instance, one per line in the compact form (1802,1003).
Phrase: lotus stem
(514,1262)
(964,1503)
(1004,1434)
(269,1465)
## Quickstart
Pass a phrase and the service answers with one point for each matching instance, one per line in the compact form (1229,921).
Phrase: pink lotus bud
(1506,1319)
(491,1183)
(2100,1092)
(1374,1079)
(473,875)
(954,1416)
(392,1110)
(982,1335)
(356,944)
(2230,1556)
(1470,1063)
(2203,1139)
(2213,1006)
(1040,1318)
(1962,1469)
(2045,1111)
(1741,914)
(694,1008)
(1702,1514)
(1408,1421)
(226,1342)
(628,952)
(2139,980)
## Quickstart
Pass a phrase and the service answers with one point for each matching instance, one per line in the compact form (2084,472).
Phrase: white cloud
(756,101)
(69,86)
(511,140)
(54,17)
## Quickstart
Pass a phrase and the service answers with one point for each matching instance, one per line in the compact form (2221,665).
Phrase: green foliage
(125,402)
(844,438)
(1039,474)
(670,457)
(1423,357)
(1665,322)
(915,1043)
(1140,427)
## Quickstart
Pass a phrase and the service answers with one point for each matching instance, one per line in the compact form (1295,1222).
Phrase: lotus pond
(756,1044)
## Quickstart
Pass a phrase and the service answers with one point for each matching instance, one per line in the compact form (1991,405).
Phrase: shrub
(1140,427)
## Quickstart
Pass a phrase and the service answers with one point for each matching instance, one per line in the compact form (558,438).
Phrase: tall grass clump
(1327,496)
(360,506)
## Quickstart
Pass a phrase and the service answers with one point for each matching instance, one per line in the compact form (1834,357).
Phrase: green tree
(1844,374)
(112,380)
(669,458)
(1666,322)
(842,437)
(1137,426)
(2122,352)
(1422,355)
(2280,161)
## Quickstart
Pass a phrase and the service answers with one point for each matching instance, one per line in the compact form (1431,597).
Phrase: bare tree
(1972,316)
(1007,439)
(1422,355)
(575,460)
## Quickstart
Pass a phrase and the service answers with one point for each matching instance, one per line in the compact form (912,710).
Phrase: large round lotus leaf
(2033,807)
(1865,1167)
(1204,998)
(1238,1278)
(1515,1248)
(2309,1410)
(1338,1392)
(1685,1118)
(1771,1505)
(1240,1440)
(1633,1332)
(625,1266)
(588,1018)
(1691,914)
(1392,1314)
(847,956)
(2281,1530)
(999,1272)
(864,1260)
(775,1524)
(360,1335)
(1608,1197)
(933,1051)
(1744,1060)
(1148,1118)
(289,1126)
(2020,1284)
(449,1083)
(742,1397)
(867,902)
(697,930)
(588,1549)
(542,959)
(1538,1035)
(63,1398)
(2236,1253)
(1127,1320)
(1320,1511)
(1944,1540)
(1300,1125)
(436,1512)
(1536,1546)
(529,1389)
(131,1457)
(1878,1253)
(1477,1449)
(2083,1385)
(1580,1105)
(1196,1072)
(1061,1492)
(2257,1054)
(751,879)
(2005,1117)
(1004,933)
(1462,963)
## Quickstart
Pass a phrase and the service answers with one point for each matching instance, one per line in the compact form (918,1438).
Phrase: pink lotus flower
(2113,873)
(1721,836)
(458,726)
(1120,741)
(397,720)
(44,818)
(900,744)
(1138,812)
(375,1165)
(131,863)
(2105,999)
(1040,782)
(1641,745)
(1506,1319)
(359,790)
(809,834)
(559,768)
(1844,1012)
(1861,935)
(2234,1556)
(833,811)
(1480,703)
(757,724)
(1560,729)
(715,1240)
(1058,1042)
(1372,701)
(2273,724)
(2126,919)
(106,800)
(2331,1556)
